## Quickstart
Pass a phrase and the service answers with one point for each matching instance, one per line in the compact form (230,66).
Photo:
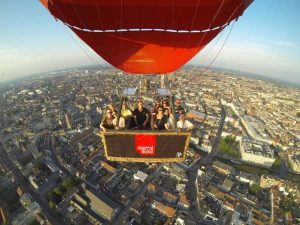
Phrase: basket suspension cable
(209,27)
(218,53)
(98,15)
(214,44)
(81,20)
(86,52)
(228,21)
(222,46)
(120,33)
(193,22)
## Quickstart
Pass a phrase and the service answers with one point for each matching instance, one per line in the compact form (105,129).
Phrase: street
(192,186)
(214,150)
(119,219)
(53,219)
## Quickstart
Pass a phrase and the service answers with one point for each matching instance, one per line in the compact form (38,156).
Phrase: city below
(242,165)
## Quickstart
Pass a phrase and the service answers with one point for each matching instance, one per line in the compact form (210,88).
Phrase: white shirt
(170,121)
(121,122)
(185,125)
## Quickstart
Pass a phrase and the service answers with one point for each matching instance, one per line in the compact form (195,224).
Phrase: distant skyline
(264,41)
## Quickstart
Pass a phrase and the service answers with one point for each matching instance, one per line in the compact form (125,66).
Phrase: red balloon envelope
(147,36)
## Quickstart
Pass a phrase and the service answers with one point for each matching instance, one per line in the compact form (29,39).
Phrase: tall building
(107,210)
(257,153)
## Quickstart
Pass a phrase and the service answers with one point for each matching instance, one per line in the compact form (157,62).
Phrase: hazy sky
(265,40)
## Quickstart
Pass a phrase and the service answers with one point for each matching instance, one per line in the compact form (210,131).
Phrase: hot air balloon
(146,37)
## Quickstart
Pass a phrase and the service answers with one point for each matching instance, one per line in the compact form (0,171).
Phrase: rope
(194,19)
(214,44)
(82,22)
(98,14)
(87,53)
(214,59)
(209,27)
(121,22)
(229,32)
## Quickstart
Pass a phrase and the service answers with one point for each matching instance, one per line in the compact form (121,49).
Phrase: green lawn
(229,146)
